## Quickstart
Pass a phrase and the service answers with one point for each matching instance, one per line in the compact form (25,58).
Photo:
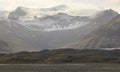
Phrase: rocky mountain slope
(50,32)
(106,36)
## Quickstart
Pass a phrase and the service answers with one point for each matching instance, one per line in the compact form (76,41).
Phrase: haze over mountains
(27,29)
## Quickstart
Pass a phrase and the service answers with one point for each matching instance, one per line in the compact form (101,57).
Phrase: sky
(77,4)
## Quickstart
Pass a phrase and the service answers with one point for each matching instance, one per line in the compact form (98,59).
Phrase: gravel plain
(60,68)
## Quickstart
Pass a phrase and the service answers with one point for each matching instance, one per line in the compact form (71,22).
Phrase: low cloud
(81,4)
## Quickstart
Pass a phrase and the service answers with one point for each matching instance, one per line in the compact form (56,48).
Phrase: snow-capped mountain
(24,29)
(55,19)
(59,21)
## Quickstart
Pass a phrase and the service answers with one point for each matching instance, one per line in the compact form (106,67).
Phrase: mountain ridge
(106,36)
(20,37)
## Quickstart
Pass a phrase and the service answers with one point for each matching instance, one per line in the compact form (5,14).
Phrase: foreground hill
(63,56)
(107,36)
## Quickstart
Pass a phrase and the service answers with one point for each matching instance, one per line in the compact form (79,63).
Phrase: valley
(59,36)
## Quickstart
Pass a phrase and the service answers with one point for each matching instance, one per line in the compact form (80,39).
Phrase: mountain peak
(60,6)
(108,11)
(105,13)
(55,8)
(61,14)
(20,8)
(111,11)
(19,11)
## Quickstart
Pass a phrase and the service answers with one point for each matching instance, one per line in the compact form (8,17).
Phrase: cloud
(105,4)
(79,4)
(115,1)
(9,4)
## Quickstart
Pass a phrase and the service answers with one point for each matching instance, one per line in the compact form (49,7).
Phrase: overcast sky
(79,4)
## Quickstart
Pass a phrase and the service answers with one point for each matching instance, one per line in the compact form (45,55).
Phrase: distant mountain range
(25,30)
